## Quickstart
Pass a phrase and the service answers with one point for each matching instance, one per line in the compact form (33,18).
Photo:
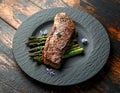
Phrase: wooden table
(14,12)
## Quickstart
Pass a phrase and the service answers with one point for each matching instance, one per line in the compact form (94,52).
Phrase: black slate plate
(76,69)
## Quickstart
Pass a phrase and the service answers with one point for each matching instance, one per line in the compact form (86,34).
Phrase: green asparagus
(38,38)
(36,45)
(74,52)
(71,49)
(37,59)
(38,53)
(38,48)
(36,41)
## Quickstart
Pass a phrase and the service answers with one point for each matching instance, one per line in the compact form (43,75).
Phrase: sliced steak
(58,40)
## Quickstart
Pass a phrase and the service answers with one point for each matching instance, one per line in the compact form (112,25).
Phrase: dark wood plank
(55,3)
(12,79)
(114,73)
(103,11)
(16,11)
(102,82)
(44,4)
(72,2)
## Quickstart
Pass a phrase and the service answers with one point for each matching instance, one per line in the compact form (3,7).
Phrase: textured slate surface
(75,70)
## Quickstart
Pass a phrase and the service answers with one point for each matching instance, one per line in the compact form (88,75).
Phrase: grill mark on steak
(58,40)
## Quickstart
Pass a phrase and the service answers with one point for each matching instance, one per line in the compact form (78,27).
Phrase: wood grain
(16,11)
(113,32)
(72,2)
(12,79)
(44,4)
(114,72)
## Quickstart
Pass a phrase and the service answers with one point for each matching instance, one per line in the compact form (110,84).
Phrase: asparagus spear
(37,59)
(67,55)
(38,38)
(38,48)
(38,53)
(71,49)
(44,37)
(42,40)
(72,46)
(35,44)
(73,53)
(34,39)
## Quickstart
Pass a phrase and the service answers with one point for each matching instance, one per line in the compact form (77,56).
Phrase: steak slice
(58,40)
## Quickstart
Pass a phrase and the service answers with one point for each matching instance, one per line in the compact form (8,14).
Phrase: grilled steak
(58,39)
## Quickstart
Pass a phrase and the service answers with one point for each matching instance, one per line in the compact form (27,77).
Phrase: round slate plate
(74,70)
